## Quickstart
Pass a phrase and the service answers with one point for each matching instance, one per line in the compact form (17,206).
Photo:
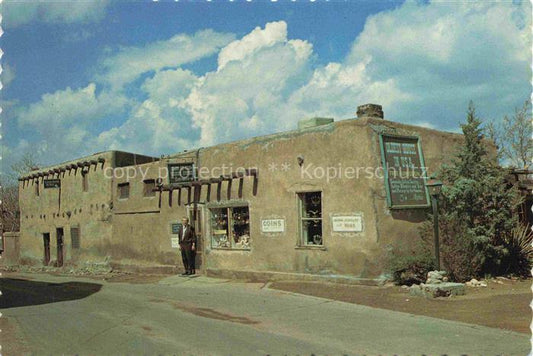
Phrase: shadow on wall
(411,215)
(21,292)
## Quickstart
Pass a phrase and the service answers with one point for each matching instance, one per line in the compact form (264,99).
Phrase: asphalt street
(53,315)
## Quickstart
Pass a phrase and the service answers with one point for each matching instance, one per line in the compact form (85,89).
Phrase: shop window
(84,182)
(124,190)
(149,186)
(75,237)
(311,218)
(230,228)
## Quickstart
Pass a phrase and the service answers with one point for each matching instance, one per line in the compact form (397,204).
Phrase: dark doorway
(59,235)
(46,240)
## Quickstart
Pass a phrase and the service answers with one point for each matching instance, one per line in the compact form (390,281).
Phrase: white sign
(352,223)
(175,241)
(273,225)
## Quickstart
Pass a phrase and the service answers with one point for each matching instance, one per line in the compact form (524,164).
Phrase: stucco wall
(66,207)
(138,228)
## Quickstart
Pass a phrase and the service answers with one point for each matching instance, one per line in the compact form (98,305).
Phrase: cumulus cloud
(442,54)
(254,79)
(68,119)
(129,62)
(16,13)
(422,62)
(160,124)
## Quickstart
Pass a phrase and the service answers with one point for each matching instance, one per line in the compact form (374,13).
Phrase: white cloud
(443,54)
(422,62)
(159,124)
(7,75)
(68,119)
(129,62)
(274,32)
(16,13)
(254,79)
(65,108)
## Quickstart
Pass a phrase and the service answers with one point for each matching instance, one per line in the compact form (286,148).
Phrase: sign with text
(404,172)
(273,225)
(348,223)
(52,183)
(175,228)
(180,172)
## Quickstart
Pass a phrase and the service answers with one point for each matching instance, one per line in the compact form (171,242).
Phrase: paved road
(204,316)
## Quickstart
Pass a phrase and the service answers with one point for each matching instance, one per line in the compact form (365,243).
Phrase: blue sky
(159,77)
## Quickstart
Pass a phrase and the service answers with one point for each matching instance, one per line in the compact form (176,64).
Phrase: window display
(311,218)
(230,228)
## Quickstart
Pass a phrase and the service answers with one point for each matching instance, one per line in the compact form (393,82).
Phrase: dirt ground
(502,304)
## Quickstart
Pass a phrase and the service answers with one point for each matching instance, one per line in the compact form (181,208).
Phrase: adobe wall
(67,207)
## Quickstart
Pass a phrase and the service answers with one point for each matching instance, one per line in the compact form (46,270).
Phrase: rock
(482,284)
(416,290)
(443,290)
(445,279)
(405,286)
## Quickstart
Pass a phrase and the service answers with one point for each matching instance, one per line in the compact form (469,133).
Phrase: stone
(416,290)
(443,290)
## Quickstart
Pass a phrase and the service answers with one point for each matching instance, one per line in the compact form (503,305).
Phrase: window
(84,182)
(75,237)
(149,186)
(123,190)
(230,228)
(37,188)
(311,218)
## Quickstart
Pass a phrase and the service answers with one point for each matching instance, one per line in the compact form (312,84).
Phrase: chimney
(370,110)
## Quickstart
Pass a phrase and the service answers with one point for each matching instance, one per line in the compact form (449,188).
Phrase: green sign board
(181,172)
(175,228)
(405,172)
(52,183)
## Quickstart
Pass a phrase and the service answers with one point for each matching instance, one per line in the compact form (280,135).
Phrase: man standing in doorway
(187,246)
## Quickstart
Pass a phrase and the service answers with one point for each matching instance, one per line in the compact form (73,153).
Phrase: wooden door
(46,242)
(59,236)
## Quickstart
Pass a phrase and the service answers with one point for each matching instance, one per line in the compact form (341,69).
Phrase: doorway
(197,221)
(59,236)
(46,241)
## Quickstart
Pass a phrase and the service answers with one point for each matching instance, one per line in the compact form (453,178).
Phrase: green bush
(410,267)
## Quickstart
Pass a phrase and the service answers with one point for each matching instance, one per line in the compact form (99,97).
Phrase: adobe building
(329,198)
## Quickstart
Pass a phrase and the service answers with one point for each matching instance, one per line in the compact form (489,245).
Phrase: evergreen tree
(477,206)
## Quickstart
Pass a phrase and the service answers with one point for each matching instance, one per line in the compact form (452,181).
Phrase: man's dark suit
(187,253)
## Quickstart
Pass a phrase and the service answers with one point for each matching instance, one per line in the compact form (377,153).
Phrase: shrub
(410,267)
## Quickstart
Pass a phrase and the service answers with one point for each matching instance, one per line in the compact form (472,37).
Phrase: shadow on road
(21,292)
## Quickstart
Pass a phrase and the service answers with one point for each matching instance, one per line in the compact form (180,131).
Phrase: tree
(9,207)
(514,137)
(476,210)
